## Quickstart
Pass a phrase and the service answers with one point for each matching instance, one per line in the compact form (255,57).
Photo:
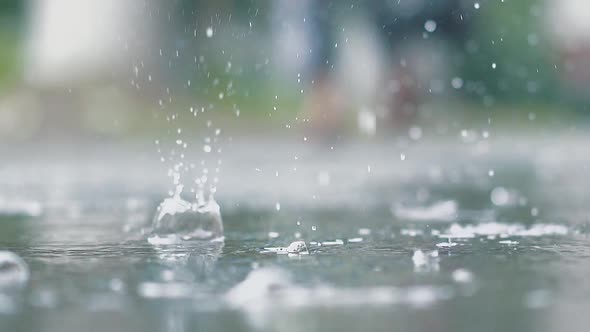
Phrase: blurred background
(114,70)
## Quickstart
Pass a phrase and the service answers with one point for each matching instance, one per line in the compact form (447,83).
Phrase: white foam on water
(448,244)
(336,242)
(355,240)
(266,290)
(295,248)
(439,211)
(425,261)
(495,229)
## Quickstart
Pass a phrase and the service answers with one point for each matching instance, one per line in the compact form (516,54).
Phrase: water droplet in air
(209,32)
(457,82)
(500,196)
(430,26)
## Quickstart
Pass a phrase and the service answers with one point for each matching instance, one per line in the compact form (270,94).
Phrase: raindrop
(430,26)
(457,82)
(500,196)
(209,32)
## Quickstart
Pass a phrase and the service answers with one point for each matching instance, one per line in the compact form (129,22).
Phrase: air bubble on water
(207,148)
(476,5)
(402,157)
(493,65)
(314,228)
(209,32)
(296,248)
(491,173)
(14,272)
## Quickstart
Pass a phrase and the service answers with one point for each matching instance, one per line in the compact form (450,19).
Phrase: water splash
(178,220)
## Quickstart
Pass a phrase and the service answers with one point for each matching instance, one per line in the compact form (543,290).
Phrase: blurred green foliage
(11,27)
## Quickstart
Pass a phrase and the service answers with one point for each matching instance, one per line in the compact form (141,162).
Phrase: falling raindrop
(430,26)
